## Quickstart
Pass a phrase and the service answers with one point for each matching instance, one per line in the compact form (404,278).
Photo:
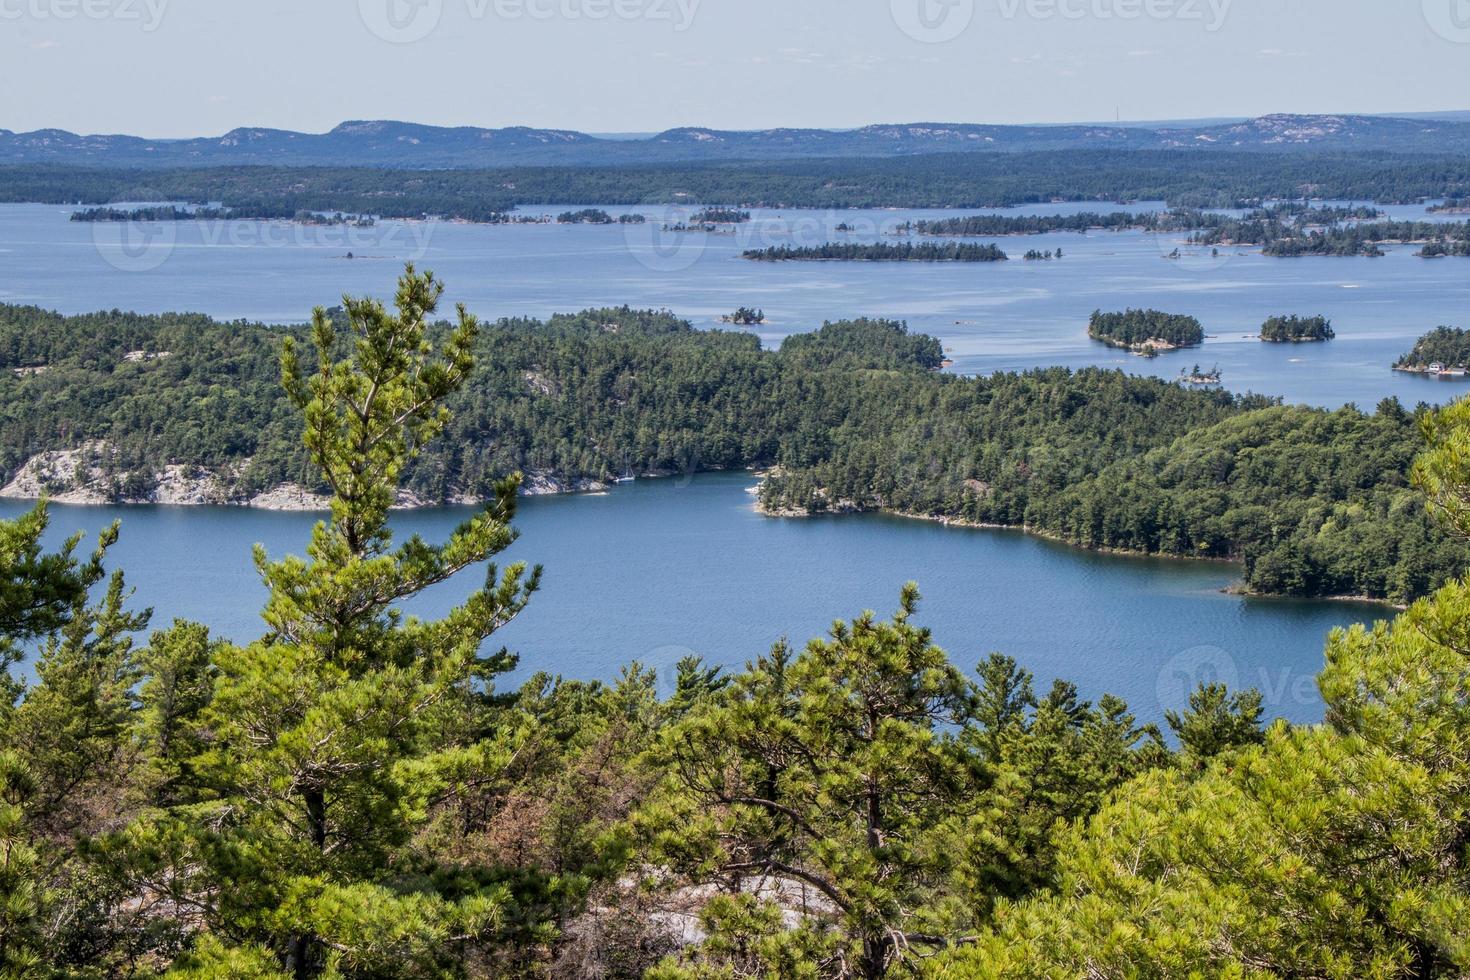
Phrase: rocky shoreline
(849,507)
(74,476)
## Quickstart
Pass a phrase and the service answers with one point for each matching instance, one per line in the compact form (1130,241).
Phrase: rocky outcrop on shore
(78,476)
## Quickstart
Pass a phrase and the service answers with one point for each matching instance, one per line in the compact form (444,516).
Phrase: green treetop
(1334,850)
(828,772)
(331,737)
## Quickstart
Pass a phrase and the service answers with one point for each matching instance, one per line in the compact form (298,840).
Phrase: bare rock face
(81,476)
(189,485)
(67,476)
(289,496)
(544,483)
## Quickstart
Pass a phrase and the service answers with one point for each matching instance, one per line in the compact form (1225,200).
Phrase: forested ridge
(853,416)
(961,180)
(351,795)
(1310,233)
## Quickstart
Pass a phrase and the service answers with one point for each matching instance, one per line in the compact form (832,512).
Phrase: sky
(179,68)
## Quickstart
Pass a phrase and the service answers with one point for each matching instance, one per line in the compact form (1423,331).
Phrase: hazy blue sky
(200,67)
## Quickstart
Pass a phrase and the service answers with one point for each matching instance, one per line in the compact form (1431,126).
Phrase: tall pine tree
(331,737)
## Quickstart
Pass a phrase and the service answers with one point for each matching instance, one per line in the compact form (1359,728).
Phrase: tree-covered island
(1140,330)
(1296,329)
(1444,351)
(879,252)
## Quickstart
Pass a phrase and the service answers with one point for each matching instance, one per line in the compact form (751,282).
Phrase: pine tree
(331,738)
(24,895)
(72,727)
(818,780)
(38,590)
(1217,721)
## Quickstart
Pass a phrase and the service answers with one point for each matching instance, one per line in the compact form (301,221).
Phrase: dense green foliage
(986,225)
(1454,205)
(1138,329)
(745,316)
(879,252)
(1446,346)
(958,180)
(349,796)
(720,216)
(854,415)
(1445,249)
(331,736)
(1330,850)
(586,216)
(171,212)
(1296,329)
(1335,232)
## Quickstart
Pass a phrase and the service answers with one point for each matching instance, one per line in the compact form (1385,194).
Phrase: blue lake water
(658,569)
(992,316)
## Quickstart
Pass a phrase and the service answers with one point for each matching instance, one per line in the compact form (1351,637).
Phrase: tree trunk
(299,958)
(874,961)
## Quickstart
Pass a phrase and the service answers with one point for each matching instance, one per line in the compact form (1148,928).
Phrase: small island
(1037,255)
(1196,377)
(880,252)
(999,224)
(171,212)
(1296,330)
(1440,250)
(745,317)
(720,216)
(597,216)
(1145,331)
(1442,353)
(586,216)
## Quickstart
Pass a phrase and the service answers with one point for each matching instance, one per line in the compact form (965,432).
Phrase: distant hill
(412,146)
